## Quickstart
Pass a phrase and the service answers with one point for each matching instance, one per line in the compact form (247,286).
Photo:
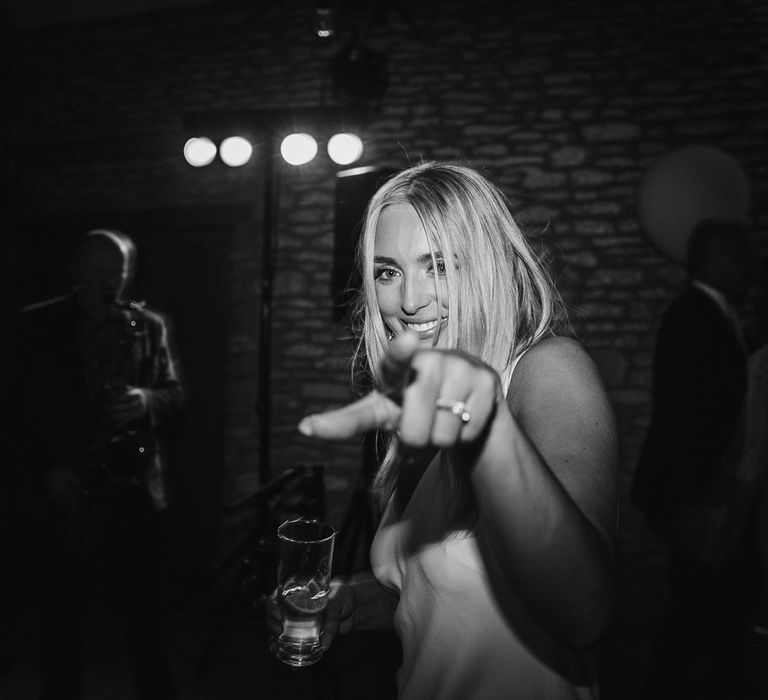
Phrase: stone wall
(564,107)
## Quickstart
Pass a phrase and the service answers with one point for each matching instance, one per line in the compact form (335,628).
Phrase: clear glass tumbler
(305,556)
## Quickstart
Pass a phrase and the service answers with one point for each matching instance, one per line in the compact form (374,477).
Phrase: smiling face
(406,282)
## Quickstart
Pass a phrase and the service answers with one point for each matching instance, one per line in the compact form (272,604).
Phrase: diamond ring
(458,408)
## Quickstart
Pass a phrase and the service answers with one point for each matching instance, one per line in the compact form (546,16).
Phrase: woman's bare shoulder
(555,371)
(554,356)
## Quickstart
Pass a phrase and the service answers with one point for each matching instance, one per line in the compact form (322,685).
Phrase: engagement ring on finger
(458,408)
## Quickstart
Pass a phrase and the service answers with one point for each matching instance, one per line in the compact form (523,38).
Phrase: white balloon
(685,187)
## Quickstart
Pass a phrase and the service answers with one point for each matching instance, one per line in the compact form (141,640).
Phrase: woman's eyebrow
(421,260)
(427,258)
(384,259)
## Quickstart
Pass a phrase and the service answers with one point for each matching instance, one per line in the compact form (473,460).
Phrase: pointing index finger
(396,372)
(379,409)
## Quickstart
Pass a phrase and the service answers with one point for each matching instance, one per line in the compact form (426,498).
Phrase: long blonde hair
(501,298)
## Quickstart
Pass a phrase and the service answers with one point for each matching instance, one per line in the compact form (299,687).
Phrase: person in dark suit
(688,483)
(95,387)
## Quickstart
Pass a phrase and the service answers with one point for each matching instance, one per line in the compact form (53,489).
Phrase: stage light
(323,22)
(344,149)
(199,151)
(298,149)
(235,151)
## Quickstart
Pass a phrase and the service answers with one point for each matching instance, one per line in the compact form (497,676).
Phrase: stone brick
(590,177)
(536,178)
(568,156)
(593,227)
(624,132)
(582,259)
(491,150)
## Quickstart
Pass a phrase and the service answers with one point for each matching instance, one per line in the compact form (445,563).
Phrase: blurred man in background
(688,481)
(95,386)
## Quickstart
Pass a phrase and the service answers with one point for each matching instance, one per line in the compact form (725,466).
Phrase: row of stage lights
(296,149)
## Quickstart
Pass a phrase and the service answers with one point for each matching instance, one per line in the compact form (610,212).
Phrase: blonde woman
(493,558)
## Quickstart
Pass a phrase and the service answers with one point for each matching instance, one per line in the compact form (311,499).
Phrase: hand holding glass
(305,555)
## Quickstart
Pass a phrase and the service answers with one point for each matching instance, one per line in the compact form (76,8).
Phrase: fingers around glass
(331,624)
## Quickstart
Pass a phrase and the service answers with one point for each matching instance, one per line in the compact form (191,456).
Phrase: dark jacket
(57,404)
(698,395)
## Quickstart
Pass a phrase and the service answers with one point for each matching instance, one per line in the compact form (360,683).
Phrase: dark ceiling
(39,12)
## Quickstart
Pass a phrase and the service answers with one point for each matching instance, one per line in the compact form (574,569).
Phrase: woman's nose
(417,293)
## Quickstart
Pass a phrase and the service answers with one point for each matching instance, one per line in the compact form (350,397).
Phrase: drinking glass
(305,555)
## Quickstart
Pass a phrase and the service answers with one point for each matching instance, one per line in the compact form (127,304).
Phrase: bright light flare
(199,151)
(344,149)
(298,149)
(235,151)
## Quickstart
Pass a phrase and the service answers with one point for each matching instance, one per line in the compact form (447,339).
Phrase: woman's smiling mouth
(424,327)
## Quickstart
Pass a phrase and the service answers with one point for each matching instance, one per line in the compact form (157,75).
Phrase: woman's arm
(545,481)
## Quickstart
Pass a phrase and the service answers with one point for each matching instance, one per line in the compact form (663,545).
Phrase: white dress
(465,634)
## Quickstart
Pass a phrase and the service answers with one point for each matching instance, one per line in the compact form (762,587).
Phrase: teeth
(422,327)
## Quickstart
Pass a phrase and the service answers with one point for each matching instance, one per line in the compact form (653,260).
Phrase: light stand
(264,402)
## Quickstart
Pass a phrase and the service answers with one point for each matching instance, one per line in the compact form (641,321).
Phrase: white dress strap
(506,377)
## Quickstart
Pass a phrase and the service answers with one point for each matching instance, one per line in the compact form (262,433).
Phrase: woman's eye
(385,274)
(439,266)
